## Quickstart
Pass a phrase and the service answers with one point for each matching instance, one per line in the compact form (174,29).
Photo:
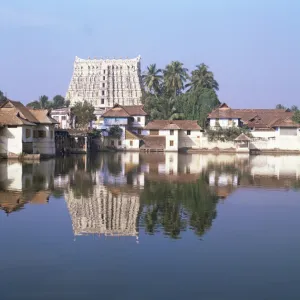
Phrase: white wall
(11,140)
(46,145)
(283,143)
(140,123)
(224,123)
(170,138)
(189,141)
(264,134)
(206,144)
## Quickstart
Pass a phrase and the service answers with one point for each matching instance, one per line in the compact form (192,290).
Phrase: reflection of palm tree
(174,206)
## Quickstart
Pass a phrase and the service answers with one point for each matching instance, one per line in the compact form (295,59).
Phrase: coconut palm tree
(175,75)
(152,79)
(203,78)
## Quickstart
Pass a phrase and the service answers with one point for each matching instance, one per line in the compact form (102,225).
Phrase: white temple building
(105,82)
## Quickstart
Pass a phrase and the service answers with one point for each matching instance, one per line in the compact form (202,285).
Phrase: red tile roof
(15,113)
(174,124)
(43,116)
(125,111)
(260,119)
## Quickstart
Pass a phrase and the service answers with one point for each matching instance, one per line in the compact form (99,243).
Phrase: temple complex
(104,82)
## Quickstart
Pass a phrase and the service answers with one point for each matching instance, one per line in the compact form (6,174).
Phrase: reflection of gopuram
(104,212)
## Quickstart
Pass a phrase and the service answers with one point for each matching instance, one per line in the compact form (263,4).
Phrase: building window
(112,143)
(51,134)
(35,134)
(41,133)
(171,143)
(102,93)
(172,132)
(104,73)
(28,133)
(139,131)
(138,119)
(103,84)
(63,118)
(104,76)
(119,142)
(188,171)
(188,132)
(102,101)
(131,143)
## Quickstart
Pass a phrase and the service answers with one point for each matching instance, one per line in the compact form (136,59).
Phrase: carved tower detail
(105,82)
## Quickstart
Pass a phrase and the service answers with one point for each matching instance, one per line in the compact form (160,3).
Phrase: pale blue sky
(252,46)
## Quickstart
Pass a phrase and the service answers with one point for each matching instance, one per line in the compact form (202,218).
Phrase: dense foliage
(173,94)
(58,101)
(115,131)
(2,96)
(83,113)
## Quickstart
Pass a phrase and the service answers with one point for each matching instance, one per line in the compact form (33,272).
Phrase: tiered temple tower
(104,82)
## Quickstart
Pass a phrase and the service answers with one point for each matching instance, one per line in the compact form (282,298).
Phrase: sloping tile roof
(125,111)
(12,118)
(43,116)
(10,105)
(15,113)
(135,110)
(287,122)
(175,124)
(253,118)
(242,137)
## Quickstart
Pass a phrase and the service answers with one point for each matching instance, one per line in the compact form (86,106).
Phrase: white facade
(62,116)
(224,123)
(16,140)
(104,82)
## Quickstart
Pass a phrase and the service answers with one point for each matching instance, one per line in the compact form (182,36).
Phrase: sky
(252,46)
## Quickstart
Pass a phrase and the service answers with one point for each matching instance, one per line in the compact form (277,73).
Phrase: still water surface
(151,226)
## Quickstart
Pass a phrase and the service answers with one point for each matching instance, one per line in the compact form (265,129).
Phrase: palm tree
(175,75)
(152,78)
(202,78)
(44,103)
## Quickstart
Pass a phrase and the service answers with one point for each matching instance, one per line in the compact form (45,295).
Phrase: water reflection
(123,193)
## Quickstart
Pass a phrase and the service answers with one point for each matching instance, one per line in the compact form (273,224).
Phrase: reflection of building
(104,212)
(25,183)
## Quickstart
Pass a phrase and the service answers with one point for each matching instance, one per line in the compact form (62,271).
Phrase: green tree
(280,106)
(203,78)
(197,104)
(115,131)
(162,107)
(175,75)
(58,101)
(296,116)
(83,113)
(42,103)
(152,79)
(294,108)
(2,96)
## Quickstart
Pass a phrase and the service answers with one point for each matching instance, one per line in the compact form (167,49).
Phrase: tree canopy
(83,113)
(2,96)
(167,98)
(58,101)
